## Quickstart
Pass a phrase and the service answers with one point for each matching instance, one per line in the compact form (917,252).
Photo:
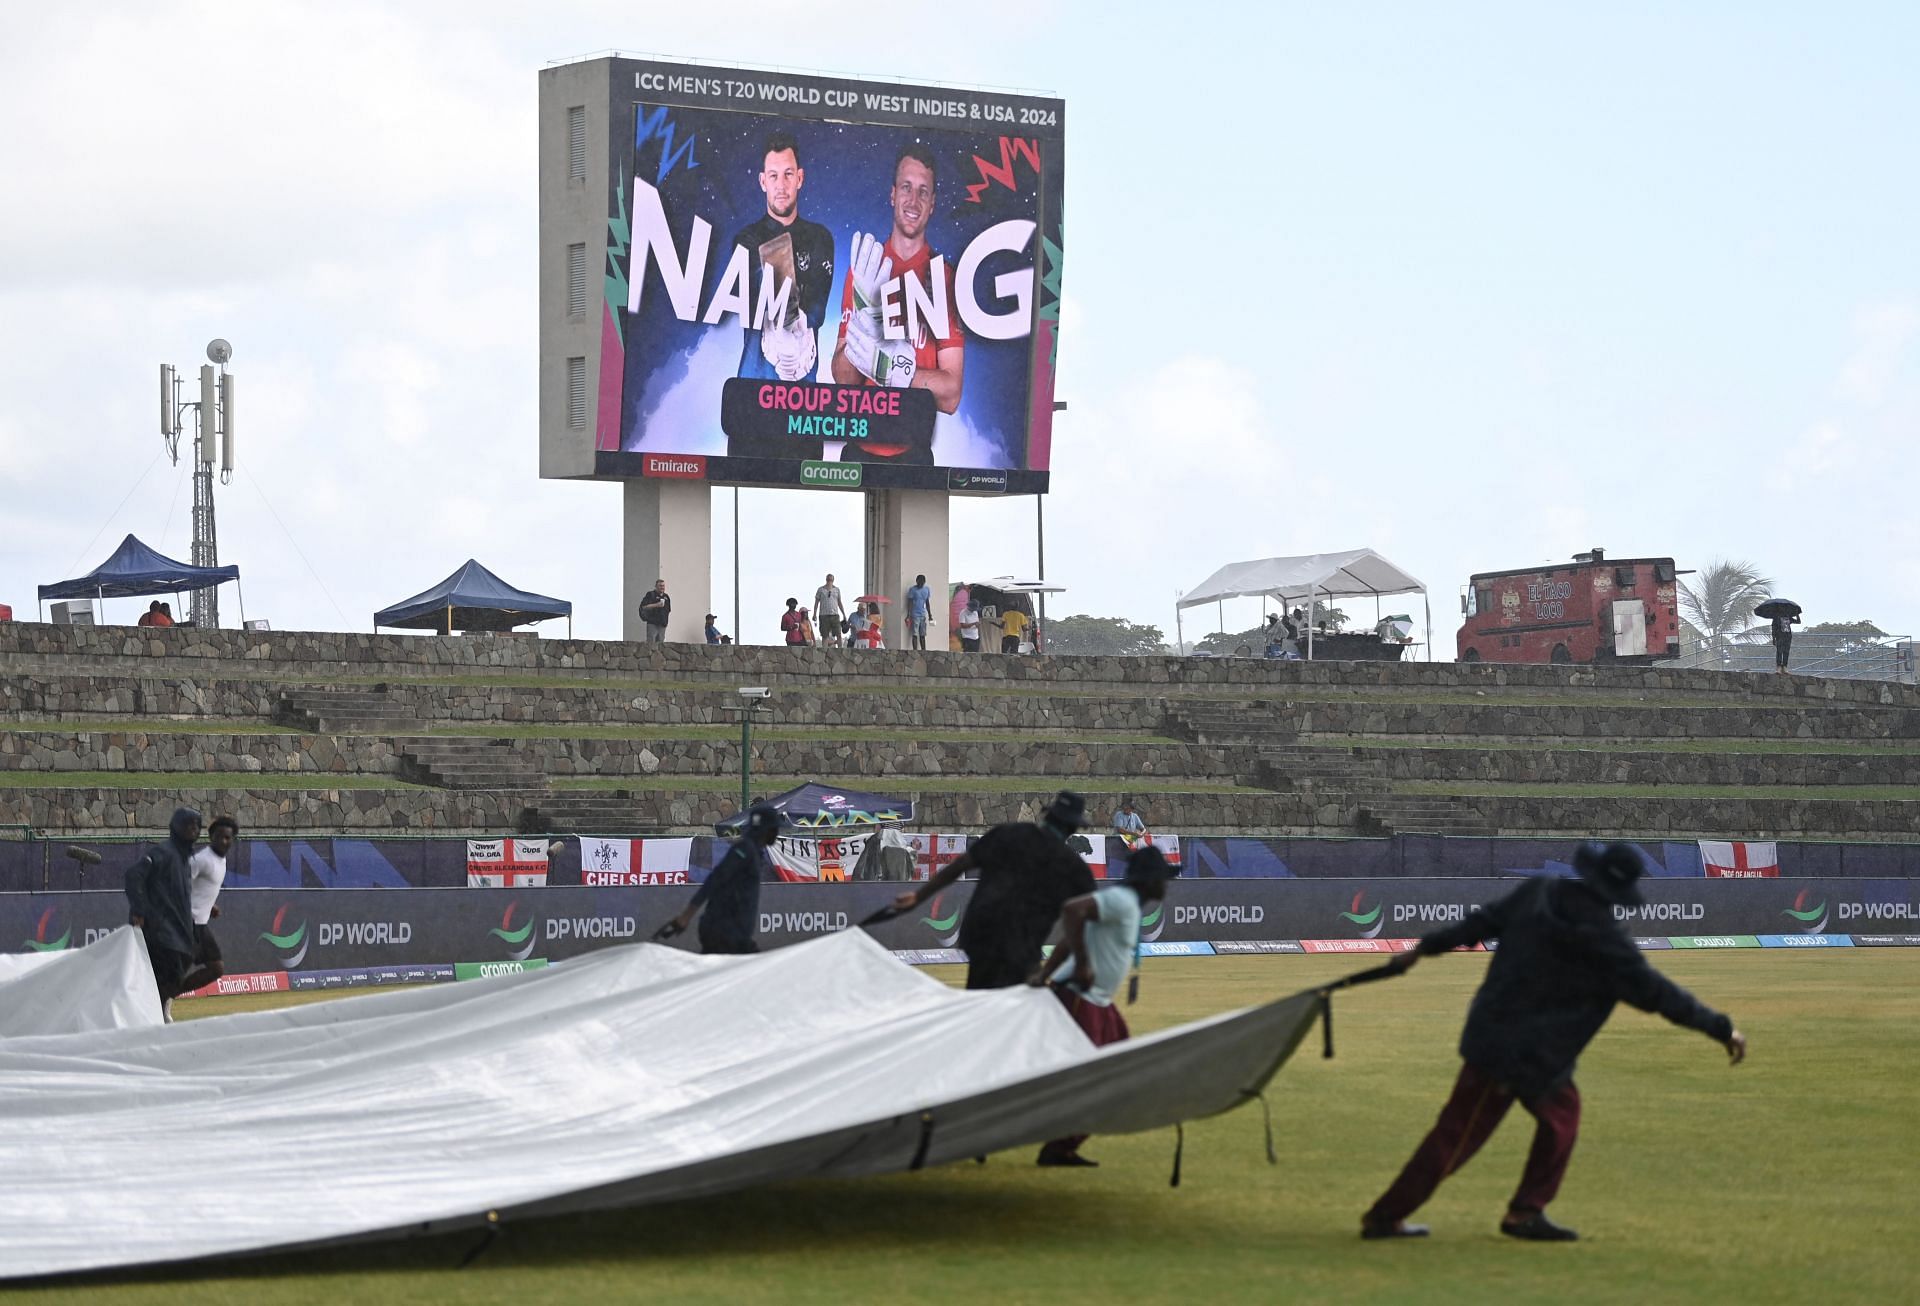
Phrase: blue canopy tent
(819,808)
(473,598)
(135,570)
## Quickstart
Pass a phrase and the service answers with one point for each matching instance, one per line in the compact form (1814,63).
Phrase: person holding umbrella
(1562,964)
(1782,613)
(1027,874)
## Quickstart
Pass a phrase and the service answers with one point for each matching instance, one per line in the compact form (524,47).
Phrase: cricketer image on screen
(803,293)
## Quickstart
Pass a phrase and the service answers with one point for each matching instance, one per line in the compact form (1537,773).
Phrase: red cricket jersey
(926,346)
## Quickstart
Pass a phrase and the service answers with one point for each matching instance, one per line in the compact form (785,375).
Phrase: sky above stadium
(1475,285)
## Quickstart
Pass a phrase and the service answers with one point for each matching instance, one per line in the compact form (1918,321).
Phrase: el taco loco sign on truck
(1594,609)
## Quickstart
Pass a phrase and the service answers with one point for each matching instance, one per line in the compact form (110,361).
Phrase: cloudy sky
(1477,285)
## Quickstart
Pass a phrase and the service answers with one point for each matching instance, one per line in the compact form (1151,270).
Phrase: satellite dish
(219,351)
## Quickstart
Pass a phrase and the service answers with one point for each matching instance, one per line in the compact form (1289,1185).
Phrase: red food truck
(1594,609)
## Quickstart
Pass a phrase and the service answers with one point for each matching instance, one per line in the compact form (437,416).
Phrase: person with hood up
(160,904)
(730,895)
(1563,961)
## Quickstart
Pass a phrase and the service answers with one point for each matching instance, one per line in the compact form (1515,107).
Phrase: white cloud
(1884,337)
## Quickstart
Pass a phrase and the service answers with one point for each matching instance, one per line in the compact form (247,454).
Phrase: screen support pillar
(906,536)
(667,534)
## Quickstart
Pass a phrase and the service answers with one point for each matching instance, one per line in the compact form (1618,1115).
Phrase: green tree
(1107,636)
(1720,600)
(1851,635)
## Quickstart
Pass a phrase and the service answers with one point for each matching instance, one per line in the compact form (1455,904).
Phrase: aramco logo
(41,942)
(291,944)
(947,927)
(1368,922)
(1812,917)
(519,940)
(1153,922)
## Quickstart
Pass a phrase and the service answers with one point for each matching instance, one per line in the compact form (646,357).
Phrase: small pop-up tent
(473,598)
(135,570)
(1312,577)
(818,807)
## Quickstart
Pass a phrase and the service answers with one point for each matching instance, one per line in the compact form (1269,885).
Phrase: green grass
(968,784)
(189,781)
(1796,747)
(640,733)
(1790,1178)
(1798,793)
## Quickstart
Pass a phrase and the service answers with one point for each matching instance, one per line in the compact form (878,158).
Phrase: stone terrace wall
(29,645)
(1621,765)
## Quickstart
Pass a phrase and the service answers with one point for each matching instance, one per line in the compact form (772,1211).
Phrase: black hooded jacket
(159,887)
(1562,963)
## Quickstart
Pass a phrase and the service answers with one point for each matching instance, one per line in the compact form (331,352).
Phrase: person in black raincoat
(730,895)
(1562,963)
(1026,875)
(160,902)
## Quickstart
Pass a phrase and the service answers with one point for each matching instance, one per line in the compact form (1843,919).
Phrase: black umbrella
(1778,608)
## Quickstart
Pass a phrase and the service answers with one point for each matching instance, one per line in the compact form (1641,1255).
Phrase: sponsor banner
(1714,941)
(355,977)
(1806,940)
(466,970)
(674,466)
(931,956)
(1653,944)
(228,985)
(1196,948)
(1740,861)
(833,476)
(506,863)
(1236,947)
(1886,940)
(1357,945)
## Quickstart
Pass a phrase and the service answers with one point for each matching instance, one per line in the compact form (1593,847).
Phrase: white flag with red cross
(1740,861)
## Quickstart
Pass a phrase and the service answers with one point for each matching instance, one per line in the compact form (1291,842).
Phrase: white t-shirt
(1111,940)
(970,624)
(209,872)
(826,601)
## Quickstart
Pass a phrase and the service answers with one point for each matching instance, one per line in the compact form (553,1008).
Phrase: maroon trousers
(1471,1114)
(1101,1025)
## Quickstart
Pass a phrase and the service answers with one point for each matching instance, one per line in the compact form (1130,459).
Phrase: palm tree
(1720,601)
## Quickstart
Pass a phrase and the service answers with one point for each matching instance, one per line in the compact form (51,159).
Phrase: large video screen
(831,283)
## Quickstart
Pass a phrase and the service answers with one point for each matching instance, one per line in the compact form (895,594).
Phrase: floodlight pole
(1040,523)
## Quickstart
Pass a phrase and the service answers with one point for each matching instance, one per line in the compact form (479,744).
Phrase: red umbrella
(873,598)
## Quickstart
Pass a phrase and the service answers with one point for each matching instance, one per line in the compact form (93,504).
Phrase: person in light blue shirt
(1100,944)
(919,610)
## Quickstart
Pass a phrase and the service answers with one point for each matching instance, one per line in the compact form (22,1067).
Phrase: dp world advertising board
(821,282)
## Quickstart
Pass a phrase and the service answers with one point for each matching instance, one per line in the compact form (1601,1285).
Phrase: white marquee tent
(1310,578)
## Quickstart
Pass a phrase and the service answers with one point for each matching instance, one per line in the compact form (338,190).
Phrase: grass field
(1791,1178)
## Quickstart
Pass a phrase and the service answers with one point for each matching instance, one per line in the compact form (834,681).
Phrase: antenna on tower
(212,421)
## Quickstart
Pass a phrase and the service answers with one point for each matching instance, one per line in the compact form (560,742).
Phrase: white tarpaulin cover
(632,1075)
(1330,575)
(108,985)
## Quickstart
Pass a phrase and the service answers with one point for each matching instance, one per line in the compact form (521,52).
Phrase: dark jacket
(730,898)
(159,888)
(1562,962)
(1026,875)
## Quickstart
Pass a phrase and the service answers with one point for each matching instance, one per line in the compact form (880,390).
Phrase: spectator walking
(1782,642)
(731,892)
(829,611)
(160,904)
(713,631)
(1026,875)
(793,625)
(1100,943)
(655,609)
(1562,964)
(208,871)
(919,612)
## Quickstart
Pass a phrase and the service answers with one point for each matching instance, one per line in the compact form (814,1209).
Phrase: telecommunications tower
(212,423)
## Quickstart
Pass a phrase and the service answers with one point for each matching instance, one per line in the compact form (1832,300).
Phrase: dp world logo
(291,944)
(1812,916)
(1153,923)
(518,938)
(1367,922)
(44,939)
(947,927)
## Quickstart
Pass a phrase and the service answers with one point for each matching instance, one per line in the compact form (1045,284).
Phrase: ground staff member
(1100,943)
(160,904)
(1026,875)
(731,893)
(1562,963)
(208,869)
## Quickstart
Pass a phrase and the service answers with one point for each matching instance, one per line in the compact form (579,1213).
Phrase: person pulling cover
(731,892)
(160,904)
(1100,943)
(1563,961)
